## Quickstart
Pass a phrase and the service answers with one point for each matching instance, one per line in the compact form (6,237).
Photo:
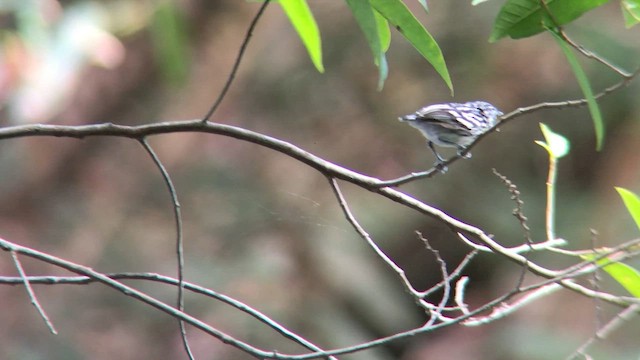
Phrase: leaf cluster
(516,19)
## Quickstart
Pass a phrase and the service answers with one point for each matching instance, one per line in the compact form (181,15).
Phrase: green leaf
(624,274)
(585,86)
(305,24)
(632,202)
(556,144)
(402,19)
(477,2)
(630,12)
(523,18)
(169,37)
(383,31)
(373,26)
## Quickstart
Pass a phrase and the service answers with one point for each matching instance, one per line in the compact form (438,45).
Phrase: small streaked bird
(453,124)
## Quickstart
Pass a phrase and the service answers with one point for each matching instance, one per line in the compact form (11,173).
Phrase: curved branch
(140,131)
(558,105)
(24,279)
(179,238)
(136,294)
(236,64)
(323,166)
(84,280)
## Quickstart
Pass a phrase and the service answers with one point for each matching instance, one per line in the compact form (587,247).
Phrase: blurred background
(261,227)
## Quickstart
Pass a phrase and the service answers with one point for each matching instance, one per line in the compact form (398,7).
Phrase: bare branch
(461,286)
(475,237)
(551,275)
(587,53)
(518,211)
(454,275)
(507,309)
(31,293)
(590,54)
(236,64)
(437,312)
(363,234)
(136,294)
(325,167)
(558,105)
(83,280)
(179,239)
(195,126)
(615,323)
(595,282)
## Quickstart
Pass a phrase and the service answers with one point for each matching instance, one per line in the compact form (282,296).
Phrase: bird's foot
(464,155)
(440,166)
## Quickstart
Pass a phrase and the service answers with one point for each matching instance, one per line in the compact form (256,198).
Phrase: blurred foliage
(523,18)
(585,86)
(47,48)
(265,229)
(302,20)
(169,34)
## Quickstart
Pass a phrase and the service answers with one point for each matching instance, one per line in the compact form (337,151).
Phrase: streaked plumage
(453,124)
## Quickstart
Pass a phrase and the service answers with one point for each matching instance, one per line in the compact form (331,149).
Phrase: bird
(453,125)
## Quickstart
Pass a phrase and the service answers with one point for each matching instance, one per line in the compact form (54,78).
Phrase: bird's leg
(439,159)
(461,149)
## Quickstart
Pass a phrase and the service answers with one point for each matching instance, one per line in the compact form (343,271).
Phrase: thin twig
(509,117)
(323,166)
(241,345)
(615,323)
(31,293)
(618,253)
(550,208)
(590,54)
(595,282)
(454,274)
(192,126)
(558,276)
(461,286)
(446,292)
(518,212)
(179,238)
(236,64)
(413,332)
(568,103)
(95,276)
(363,234)
(83,280)
(507,309)
(581,49)
(135,294)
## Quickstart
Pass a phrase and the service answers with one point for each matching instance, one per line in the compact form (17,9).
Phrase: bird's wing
(446,117)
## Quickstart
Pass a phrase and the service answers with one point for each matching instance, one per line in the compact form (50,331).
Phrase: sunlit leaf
(632,202)
(383,31)
(169,36)
(396,12)
(624,274)
(373,26)
(556,144)
(305,24)
(630,12)
(585,86)
(523,18)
